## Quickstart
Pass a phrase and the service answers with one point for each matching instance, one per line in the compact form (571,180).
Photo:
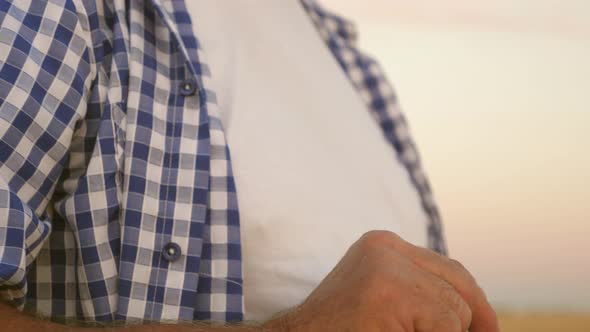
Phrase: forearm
(16,321)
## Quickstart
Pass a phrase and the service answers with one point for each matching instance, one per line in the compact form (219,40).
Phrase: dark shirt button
(188,87)
(171,251)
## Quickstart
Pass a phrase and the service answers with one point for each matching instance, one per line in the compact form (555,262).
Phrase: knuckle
(449,295)
(447,321)
(465,275)
(465,315)
(457,304)
(441,320)
(476,293)
(376,238)
(458,267)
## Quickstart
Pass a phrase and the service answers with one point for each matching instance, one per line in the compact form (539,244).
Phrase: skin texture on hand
(386,284)
(382,284)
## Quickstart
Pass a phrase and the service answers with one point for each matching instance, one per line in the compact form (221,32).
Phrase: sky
(496,94)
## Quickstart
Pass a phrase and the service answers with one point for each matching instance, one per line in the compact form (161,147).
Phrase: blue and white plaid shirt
(117,200)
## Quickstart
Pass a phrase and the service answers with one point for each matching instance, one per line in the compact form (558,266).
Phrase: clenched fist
(386,284)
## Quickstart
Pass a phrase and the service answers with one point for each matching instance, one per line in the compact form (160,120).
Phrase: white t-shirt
(313,171)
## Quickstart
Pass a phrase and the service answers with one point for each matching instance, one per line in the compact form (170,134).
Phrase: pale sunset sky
(497,94)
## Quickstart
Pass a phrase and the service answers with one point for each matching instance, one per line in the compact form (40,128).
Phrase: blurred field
(513,322)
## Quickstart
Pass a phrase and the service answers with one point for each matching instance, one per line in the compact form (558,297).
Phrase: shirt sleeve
(45,75)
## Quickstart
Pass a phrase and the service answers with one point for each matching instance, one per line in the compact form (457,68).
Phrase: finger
(483,315)
(438,290)
(426,288)
(437,317)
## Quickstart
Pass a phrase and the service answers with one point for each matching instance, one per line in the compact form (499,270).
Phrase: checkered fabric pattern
(117,199)
(368,78)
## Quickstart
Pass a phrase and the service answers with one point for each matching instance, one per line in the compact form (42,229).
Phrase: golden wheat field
(521,322)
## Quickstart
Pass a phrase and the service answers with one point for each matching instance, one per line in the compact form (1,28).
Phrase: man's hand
(386,284)
(382,284)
